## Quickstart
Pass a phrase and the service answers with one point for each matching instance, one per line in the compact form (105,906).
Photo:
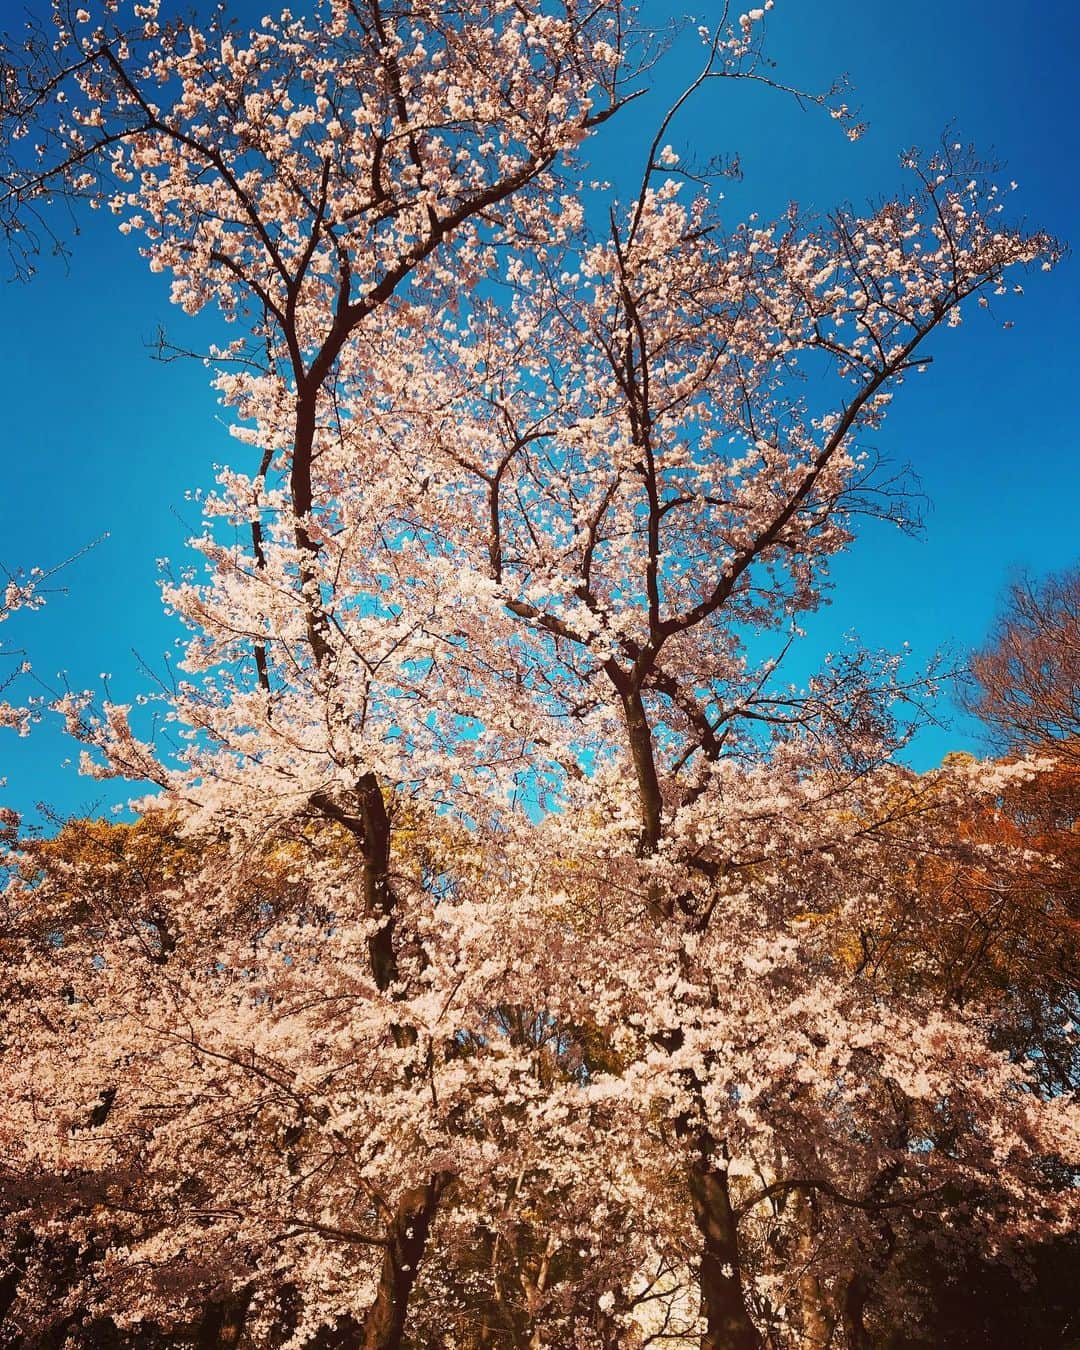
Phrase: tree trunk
(222,1323)
(727,1323)
(345,1334)
(816,1325)
(855,1298)
(639,734)
(378,897)
(384,1326)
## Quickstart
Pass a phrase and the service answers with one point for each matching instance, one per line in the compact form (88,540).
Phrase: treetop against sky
(103,439)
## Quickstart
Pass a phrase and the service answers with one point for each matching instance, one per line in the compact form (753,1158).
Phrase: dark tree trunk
(727,1323)
(639,734)
(370,827)
(378,897)
(855,1298)
(223,1321)
(345,1334)
(384,1325)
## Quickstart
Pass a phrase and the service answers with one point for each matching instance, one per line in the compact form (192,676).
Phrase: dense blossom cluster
(503,958)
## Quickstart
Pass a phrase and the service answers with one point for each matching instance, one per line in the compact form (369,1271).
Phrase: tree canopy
(511,953)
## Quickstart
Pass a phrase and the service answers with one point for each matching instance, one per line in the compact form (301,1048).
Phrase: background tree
(1027,689)
(1027,677)
(989,917)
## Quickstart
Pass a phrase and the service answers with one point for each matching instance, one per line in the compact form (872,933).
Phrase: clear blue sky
(100,438)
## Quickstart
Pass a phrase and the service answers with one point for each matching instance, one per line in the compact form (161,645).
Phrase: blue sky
(100,437)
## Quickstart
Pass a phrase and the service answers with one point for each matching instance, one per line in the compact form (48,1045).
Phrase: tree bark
(727,1323)
(855,1297)
(384,1326)
(378,897)
(223,1321)
(639,734)
(816,1327)
(370,827)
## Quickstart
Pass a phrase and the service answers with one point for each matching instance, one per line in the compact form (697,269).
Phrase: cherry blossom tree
(494,973)
(20,592)
(23,589)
